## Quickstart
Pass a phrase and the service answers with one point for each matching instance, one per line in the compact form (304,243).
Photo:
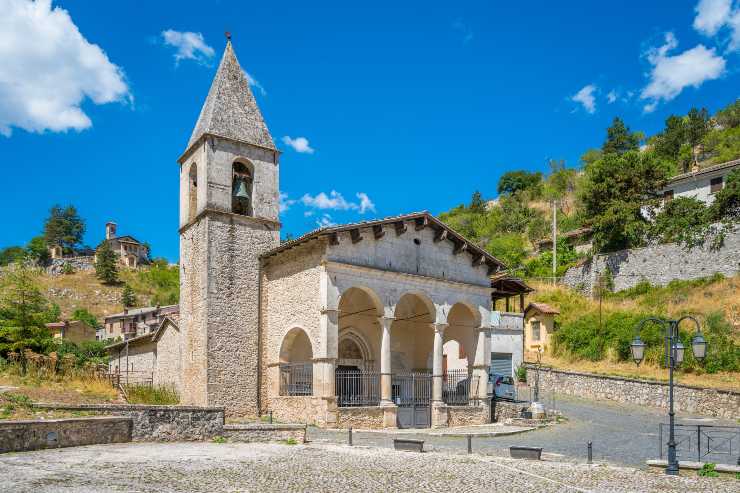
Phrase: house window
(535,330)
(715,184)
(668,195)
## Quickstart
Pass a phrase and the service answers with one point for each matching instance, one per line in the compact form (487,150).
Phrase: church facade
(344,326)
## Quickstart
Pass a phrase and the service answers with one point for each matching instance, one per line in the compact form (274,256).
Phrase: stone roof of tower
(230,109)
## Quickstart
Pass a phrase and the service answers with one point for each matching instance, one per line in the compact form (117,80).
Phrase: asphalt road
(621,434)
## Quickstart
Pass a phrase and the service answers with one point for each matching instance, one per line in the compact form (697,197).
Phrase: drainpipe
(259,338)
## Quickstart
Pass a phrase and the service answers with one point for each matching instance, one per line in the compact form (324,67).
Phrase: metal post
(672,468)
(271,417)
(590,453)
(470,444)
(660,440)
(698,443)
(350,436)
(554,241)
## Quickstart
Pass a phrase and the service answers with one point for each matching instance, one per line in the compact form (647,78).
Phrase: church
(344,326)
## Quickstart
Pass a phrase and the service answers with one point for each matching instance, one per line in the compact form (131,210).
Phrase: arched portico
(296,367)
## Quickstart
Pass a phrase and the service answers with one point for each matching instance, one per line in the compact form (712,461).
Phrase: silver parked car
(503,386)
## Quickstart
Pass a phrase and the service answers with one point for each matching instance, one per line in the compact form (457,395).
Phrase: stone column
(437,375)
(326,357)
(385,360)
(482,360)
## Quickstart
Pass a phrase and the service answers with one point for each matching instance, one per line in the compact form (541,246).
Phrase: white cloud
(255,83)
(325,221)
(299,144)
(48,69)
(711,15)
(336,201)
(586,97)
(308,213)
(464,29)
(612,96)
(284,202)
(671,74)
(190,46)
(365,203)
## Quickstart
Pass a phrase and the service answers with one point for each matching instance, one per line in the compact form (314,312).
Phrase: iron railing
(357,388)
(459,387)
(412,389)
(703,443)
(296,379)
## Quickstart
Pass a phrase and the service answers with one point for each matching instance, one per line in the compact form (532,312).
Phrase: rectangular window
(535,330)
(668,195)
(715,184)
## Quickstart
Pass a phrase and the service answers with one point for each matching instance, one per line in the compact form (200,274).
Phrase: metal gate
(412,393)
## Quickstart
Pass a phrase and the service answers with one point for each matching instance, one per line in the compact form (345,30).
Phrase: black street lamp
(674,353)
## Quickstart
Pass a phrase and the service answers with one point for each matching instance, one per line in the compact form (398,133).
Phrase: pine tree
(64,227)
(106,268)
(128,297)
(619,138)
(477,204)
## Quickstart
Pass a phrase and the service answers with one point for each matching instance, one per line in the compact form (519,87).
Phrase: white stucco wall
(506,336)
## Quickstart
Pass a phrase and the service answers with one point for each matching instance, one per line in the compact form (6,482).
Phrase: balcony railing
(357,388)
(296,379)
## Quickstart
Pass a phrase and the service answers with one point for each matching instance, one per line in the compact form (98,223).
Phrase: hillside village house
(130,251)
(539,326)
(345,325)
(135,322)
(71,330)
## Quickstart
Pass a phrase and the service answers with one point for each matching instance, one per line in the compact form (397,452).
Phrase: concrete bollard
(470,444)
(350,436)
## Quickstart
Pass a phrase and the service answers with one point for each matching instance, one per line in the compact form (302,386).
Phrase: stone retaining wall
(161,423)
(657,264)
(468,415)
(18,436)
(360,417)
(697,400)
(259,432)
(301,409)
(507,410)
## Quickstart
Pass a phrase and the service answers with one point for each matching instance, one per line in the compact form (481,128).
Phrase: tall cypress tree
(106,268)
(128,297)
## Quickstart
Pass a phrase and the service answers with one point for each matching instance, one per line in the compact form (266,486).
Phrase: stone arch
(296,347)
(242,187)
(353,295)
(359,330)
(462,322)
(192,191)
(412,337)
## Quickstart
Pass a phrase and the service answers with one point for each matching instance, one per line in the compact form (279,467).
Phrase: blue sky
(404,105)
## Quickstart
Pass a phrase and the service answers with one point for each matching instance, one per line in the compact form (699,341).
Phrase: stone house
(71,330)
(134,322)
(539,325)
(700,183)
(130,251)
(343,326)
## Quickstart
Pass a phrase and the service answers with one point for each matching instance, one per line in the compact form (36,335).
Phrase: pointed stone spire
(230,109)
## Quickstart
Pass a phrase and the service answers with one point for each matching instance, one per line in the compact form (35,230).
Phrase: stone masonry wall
(19,436)
(260,432)
(702,401)
(360,417)
(298,409)
(658,264)
(468,415)
(160,423)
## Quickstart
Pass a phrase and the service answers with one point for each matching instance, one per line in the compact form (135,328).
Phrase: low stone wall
(18,436)
(468,415)
(161,423)
(56,267)
(304,409)
(703,401)
(506,410)
(360,417)
(260,432)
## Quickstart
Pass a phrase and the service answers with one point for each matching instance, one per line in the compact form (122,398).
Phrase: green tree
(83,315)
(64,227)
(619,139)
(477,204)
(613,191)
(668,143)
(12,254)
(106,265)
(683,220)
(726,205)
(23,312)
(729,117)
(38,250)
(128,297)
(560,181)
(513,182)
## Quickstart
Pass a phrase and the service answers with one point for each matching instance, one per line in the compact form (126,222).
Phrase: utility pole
(554,240)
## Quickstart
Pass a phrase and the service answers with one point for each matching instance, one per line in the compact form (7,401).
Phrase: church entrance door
(412,393)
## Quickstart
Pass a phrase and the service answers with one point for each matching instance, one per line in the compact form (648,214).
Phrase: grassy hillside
(595,336)
(153,284)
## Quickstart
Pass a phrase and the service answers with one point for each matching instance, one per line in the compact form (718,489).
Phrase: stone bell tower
(228,218)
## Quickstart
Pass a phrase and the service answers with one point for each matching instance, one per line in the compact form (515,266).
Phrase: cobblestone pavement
(211,467)
(621,434)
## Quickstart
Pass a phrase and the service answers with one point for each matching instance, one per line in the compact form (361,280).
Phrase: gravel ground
(207,467)
(621,434)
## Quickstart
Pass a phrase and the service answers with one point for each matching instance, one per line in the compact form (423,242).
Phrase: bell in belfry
(241,196)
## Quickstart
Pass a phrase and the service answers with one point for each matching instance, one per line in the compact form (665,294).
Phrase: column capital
(440,327)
